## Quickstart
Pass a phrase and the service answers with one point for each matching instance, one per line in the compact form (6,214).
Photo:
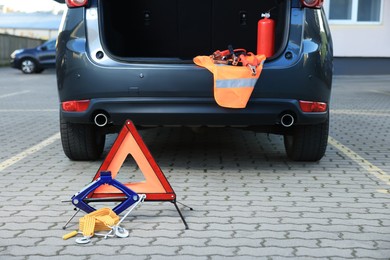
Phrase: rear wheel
(81,142)
(307,142)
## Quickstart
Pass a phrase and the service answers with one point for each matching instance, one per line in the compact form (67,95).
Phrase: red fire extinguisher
(266,35)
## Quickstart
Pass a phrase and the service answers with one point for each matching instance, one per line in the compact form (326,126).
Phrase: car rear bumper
(192,112)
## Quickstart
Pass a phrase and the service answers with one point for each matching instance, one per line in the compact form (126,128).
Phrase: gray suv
(119,60)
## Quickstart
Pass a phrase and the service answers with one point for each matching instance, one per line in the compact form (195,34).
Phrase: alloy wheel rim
(27,66)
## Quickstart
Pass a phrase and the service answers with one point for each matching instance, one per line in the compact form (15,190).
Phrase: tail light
(312,3)
(75,105)
(311,106)
(76,3)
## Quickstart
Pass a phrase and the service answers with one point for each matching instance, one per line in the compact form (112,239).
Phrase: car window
(50,45)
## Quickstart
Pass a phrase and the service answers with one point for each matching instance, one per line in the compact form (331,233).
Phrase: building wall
(44,34)
(363,40)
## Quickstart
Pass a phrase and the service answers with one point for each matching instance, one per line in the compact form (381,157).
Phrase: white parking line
(369,167)
(15,94)
(14,159)
(366,113)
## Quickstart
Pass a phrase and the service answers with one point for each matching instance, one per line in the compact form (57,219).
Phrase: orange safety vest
(233,85)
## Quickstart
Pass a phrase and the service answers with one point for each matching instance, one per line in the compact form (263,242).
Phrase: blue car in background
(35,60)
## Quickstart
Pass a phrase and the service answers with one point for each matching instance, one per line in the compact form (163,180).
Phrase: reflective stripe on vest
(235,83)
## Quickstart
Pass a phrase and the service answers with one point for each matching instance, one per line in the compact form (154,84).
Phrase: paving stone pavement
(249,200)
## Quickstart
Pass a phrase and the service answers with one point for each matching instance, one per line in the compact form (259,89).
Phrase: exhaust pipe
(101,119)
(287,120)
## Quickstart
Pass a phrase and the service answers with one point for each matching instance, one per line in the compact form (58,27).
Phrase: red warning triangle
(156,186)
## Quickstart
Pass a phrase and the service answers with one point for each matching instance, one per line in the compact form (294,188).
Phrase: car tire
(28,66)
(307,142)
(81,142)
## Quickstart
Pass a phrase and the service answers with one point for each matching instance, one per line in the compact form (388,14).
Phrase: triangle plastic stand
(156,186)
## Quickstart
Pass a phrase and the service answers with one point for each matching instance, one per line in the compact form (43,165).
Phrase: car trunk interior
(177,29)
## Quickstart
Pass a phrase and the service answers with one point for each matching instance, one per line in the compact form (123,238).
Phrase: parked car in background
(35,60)
(119,60)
